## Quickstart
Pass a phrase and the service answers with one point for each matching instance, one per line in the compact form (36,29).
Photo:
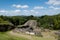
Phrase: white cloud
(17,6)
(53,2)
(26,11)
(10,12)
(24,6)
(38,7)
(55,8)
(17,11)
(3,11)
(51,7)
(32,10)
(20,6)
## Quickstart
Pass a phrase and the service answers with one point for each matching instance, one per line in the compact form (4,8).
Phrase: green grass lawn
(8,36)
(4,36)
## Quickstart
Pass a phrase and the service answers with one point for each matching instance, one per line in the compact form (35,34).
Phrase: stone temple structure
(30,27)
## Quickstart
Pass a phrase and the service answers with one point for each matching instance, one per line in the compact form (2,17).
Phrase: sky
(29,7)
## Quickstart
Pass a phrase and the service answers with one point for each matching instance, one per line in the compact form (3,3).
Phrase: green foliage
(50,22)
(5,25)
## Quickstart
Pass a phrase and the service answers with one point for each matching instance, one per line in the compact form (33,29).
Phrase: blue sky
(29,7)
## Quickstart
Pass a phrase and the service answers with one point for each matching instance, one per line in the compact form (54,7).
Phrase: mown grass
(5,36)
